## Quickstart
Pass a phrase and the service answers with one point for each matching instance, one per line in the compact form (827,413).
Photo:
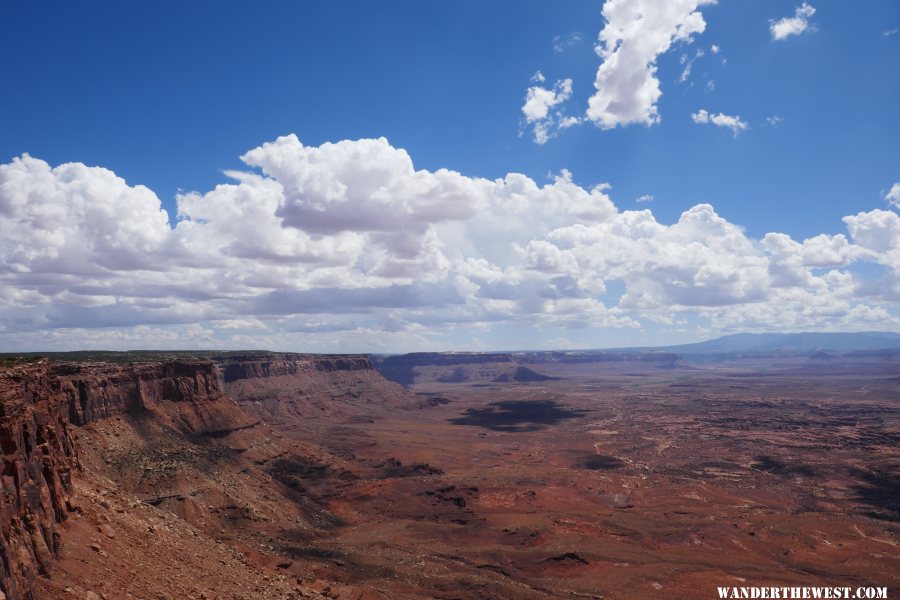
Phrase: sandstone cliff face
(258,366)
(187,395)
(38,458)
(292,389)
(40,404)
(402,368)
(100,390)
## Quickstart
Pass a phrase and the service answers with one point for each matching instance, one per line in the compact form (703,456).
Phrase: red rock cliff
(38,458)
(294,389)
(188,395)
(41,403)
(257,366)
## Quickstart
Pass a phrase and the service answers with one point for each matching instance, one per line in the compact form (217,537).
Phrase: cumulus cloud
(893,195)
(348,246)
(540,108)
(698,261)
(734,123)
(627,90)
(539,100)
(644,198)
(636,33)
(877,230)
(788,26)
(76,219)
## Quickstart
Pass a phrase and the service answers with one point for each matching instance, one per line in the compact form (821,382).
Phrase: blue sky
(170,95)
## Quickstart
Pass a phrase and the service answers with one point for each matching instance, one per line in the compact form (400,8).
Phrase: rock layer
(42,403)
(289,389)
(38,459)
(257,366)
(188,395)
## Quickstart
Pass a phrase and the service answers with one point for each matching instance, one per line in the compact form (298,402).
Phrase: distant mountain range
(764,343)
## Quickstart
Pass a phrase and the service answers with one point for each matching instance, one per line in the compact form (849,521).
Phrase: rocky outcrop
(460,367)
(402,367)
(187,395)
(292,389)
(40,405)
(331,364)
(499,367)
(235,367)
(38,458)
(523,375)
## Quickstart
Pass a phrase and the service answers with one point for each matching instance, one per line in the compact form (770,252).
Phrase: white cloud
(877,230)
(701,260)
(541,112)
(635,34)
(687,63)
(893,195)
(347,246)
(561,43)
(788,26)
(890,32)
(644,198)
(539,100)
(774,121)
(76,219)
(686,70)
(734,123)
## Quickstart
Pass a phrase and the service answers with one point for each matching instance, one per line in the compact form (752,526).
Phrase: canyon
(92,447)
(504,475)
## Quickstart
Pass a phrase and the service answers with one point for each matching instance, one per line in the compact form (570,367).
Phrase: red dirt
(302,477)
